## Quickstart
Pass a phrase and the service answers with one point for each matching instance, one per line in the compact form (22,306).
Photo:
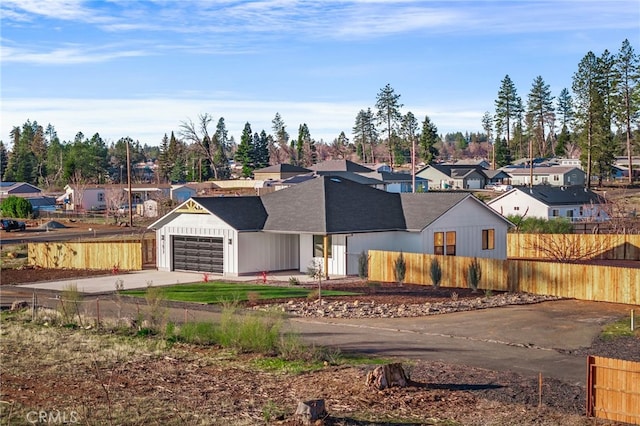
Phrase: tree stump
(310,411)
(386,376)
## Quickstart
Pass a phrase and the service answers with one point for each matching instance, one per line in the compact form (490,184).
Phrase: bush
(17,207)
(535,225)
(436,273)
(363,265)
(474,274)
(399,268)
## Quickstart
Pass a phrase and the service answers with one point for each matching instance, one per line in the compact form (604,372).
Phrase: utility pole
(413,164)
(129,183)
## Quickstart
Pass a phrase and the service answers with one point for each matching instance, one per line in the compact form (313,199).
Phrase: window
(318,246)
(444,243)
(438,243)
(451,243)
(556,178)
(569,213)
(555,212)
(516,208)
(101,196)
(488,239)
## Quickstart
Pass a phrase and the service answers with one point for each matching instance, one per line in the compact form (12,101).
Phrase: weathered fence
(579,281)
(107,255)
(613,389)
(553,246)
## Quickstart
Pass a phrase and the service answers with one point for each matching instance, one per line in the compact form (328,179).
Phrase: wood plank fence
(601,246)
(579,281)
(613,389)
(104,255)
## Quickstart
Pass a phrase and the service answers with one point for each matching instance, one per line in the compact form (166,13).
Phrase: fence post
(632,320)
(98,311)
(34,301)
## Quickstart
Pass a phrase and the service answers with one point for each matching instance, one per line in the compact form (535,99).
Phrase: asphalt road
(523,338)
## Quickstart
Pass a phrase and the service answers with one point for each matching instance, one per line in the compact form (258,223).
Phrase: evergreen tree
(428,140)
(164,162)
(502,156)
(222,148)
(303,149)
(541,112)
(22,164)
(589,106)
(506,107)
(4,157)
(245,151)
(339,146)
(487,126)
(261,150)
(627,96)
(389,116)
(564,139)
(365,135)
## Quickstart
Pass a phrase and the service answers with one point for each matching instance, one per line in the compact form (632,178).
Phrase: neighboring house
(43,203)
(574,203)
(496,177)
(547,175)
(451,176)
(340,166)
(570,162)
(181,193)
(470,162)
(278,172)
(101,197)
(329,220)
(19,189)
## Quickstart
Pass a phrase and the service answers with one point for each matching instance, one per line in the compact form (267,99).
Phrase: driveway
(519,338)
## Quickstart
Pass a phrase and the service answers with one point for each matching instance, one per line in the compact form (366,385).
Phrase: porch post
(325,246)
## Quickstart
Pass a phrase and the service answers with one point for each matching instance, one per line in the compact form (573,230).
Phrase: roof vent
(562,188)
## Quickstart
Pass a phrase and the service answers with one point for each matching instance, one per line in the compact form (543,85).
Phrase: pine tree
(365,135)
(627,96)
(541,112)
(389,116)
(506,107)
(4,157)
(221,148)
(164,162)
(244,153)
(261,151)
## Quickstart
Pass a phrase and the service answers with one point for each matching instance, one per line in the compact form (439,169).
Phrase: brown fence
(585,282)
(544,246)
(613,389)
(107,255)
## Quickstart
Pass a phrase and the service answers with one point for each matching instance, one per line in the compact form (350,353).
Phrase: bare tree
(114,198)
(198,134)
(79,185)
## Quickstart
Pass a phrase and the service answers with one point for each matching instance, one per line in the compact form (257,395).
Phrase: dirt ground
(102,381)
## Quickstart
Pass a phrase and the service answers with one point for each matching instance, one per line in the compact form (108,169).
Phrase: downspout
(325,244)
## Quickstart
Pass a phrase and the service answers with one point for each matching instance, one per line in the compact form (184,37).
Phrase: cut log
(386,376)
(311,411)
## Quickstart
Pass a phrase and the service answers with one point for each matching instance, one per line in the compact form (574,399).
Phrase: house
(181,193)
(574,203)
(101,197)
(546,175)
(278,172)
(451,176)
(19,189)
(328,219)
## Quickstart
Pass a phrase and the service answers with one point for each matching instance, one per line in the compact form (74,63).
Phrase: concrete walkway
(142,279)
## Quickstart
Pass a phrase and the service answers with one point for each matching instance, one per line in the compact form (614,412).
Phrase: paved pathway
(521,338)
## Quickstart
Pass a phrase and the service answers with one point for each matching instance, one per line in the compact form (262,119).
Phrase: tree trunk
(311,411)
(386,376)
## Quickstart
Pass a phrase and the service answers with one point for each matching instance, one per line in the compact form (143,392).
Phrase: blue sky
(140,68)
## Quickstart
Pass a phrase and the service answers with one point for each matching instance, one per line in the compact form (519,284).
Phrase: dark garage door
(202,254)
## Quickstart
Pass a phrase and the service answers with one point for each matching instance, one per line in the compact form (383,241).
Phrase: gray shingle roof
(554,195)
(242,213)
(329,205)
(282,168)
(420,210)
(340,166)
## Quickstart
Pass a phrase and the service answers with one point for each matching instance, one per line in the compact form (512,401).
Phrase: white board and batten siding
(468,219)
(388,241)
(202,225)
(261,251)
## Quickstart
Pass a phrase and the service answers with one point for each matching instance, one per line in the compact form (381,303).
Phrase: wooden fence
(613,389)
(602,246)
(584,282)
(106,255)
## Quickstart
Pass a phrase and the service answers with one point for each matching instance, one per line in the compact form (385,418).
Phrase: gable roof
(329,205)
(340,166)
(558,195)
(541,170)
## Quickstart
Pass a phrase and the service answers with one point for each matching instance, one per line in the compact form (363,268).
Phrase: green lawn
(220,292)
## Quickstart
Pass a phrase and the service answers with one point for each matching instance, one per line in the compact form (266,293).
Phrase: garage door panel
(202,254)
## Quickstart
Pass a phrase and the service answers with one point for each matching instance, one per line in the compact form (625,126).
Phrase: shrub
(399,268)
(17,207)
(474,274)
(294,281)
(363,265)
(435,270)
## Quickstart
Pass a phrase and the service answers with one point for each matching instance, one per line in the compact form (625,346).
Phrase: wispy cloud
(71,54)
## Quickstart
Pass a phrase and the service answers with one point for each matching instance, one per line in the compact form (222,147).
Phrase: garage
(201,254)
